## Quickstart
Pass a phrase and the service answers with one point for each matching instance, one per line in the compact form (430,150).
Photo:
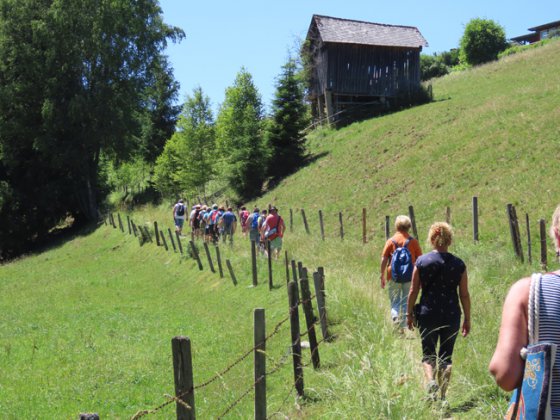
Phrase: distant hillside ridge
(491,131)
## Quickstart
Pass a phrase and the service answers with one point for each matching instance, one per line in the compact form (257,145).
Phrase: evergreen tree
(239,137)
(285,133)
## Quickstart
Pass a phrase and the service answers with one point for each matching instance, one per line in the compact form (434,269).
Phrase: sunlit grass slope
(87,325)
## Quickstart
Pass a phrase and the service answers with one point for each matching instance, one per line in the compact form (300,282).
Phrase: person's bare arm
(412,296)
(465,303)
(384,262)
(506,365)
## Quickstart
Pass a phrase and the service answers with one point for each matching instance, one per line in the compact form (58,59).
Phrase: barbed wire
(240,398)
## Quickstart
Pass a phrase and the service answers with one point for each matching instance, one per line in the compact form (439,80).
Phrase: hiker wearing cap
(253,226)
(228,223)
(211,217)
(179,212)
(273,231)
(400,253)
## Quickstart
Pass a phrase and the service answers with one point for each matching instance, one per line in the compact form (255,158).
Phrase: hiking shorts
(434,331)
(179,222)
(254,235)
(276,243)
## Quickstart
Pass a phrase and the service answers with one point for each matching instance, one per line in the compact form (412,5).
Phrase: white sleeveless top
(549,330)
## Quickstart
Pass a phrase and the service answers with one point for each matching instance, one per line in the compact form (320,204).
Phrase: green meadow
(86,325)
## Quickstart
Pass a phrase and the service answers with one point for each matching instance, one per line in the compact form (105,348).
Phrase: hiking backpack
(255,221)
(401,263)
(180,210)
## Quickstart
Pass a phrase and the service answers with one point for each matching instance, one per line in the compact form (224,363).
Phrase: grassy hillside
(87,325)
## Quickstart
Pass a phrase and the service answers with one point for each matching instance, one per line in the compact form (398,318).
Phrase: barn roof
(345,31)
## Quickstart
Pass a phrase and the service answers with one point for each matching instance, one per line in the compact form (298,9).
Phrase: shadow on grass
(464,406)
(56,238)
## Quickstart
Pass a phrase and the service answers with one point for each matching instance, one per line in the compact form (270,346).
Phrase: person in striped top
(506,365)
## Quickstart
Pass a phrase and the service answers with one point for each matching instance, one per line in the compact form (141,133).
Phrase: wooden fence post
(517,235)
(309,320)
(319,295)
(219,258)
(269,257)
(183,375)
(305,221)
(321,225)
(291,220)
(387,228)
(529,245)
(287,267)
(171,239)
(163,240)
(210,263)
(231,273)
(295,335)
(128,223)
(157,233)
(134,230)
(194,251)
(514,231)
(113,221)
(121,227)
(179,242)
(254,262)
(413,220)
(544,259)
(448,215)
(364,231)
(300,270)
(475,218)
(294,271)
(341,225)
(259,336)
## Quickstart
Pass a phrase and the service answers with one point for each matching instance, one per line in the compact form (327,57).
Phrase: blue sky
(222,36)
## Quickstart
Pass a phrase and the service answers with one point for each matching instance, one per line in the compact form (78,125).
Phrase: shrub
(482,41)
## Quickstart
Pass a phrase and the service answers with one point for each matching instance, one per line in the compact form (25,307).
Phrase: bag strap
(533,308)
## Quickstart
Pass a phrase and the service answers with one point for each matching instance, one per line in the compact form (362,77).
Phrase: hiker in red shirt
(243,216)
(273,231)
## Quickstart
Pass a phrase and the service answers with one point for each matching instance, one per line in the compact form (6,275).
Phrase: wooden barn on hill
(353,64)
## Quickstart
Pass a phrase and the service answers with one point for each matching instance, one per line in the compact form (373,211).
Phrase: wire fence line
(179,399)
(277,366)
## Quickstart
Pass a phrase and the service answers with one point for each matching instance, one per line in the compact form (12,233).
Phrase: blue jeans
(398,295)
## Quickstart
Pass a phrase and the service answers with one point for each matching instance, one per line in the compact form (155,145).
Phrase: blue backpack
(255,221)
(401,263)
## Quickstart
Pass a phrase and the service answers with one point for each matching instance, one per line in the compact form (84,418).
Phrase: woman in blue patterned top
(507,365)
(444,282)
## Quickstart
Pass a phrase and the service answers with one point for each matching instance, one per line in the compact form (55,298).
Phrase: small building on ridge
(353,64)
(539,33)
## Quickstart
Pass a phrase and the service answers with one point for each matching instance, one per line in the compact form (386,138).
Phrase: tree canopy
(187,162)
(78,81)
(482,41)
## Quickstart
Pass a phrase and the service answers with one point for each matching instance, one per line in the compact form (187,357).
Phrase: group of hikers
(405,271)
(215,223)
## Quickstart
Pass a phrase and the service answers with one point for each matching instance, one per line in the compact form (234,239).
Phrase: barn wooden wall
(346,69)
